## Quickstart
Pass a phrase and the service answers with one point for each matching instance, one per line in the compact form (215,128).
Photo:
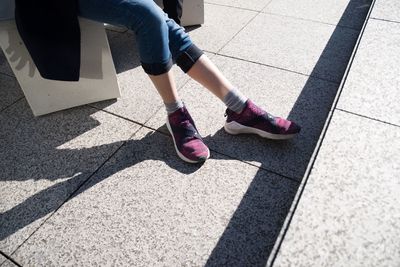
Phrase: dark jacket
(51,33)
(174,9)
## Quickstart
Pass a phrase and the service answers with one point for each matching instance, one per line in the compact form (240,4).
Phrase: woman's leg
(208,75)
(153,28)
(243,116)
(161,42)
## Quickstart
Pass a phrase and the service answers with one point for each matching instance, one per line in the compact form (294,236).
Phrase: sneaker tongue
(189,131)
(255,109)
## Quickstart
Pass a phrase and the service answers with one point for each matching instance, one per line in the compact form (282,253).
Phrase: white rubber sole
(179,153)
(236,128)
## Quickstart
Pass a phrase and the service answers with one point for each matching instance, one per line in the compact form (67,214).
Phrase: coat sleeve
(50,31)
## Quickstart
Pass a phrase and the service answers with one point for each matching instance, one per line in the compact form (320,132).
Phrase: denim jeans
(161,41)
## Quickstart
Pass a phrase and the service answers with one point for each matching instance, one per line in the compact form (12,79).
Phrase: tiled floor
(348,212)
(102,185)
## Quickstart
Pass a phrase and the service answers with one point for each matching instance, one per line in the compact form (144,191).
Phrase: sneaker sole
(180,154)
(235,128)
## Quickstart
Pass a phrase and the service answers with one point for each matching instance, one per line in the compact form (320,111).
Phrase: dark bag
(51,33)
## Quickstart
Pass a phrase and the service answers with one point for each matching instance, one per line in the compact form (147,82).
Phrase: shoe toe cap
(196,150)
(294,128)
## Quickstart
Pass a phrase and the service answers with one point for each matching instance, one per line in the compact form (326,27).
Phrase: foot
(188,143)
(254,120)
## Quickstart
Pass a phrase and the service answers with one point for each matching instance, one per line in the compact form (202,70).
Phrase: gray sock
(235,100)
(174,106)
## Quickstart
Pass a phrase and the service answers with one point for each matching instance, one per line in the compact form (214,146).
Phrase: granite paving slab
(348,214)
(10,91)
(2,259)
(145,207)
(4,66)
(4,262)
(298,97)
(256,5)
(139,99)
(307,47)
(44,159)
(349,13)
(221,24)
(372,86)
(387,10)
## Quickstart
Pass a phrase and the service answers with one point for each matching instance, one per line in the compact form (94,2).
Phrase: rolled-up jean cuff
(157,68)
(188,57)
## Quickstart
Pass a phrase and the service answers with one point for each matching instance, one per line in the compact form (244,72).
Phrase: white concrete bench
(98,79)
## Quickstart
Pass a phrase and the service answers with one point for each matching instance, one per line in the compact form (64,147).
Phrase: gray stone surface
(220,26)
(307,47)
(145,207)
(139,99)
(4,66)
(300,98)
(256,5)
(4,262)
(8,264)
(338,12)
(372,86)
(349,212)
(10,91)
(386,9)
(44,159)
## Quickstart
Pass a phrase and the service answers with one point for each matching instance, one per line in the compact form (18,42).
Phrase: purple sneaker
(188,143)
(254,120)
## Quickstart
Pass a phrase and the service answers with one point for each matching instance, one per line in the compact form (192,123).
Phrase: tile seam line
(297,198)
(10,259)
(310,20)
(366,117)
(241,29)
(122,117)
(9,75)
(12,104)
(236,7)
(386,20)
(275,67)
(286,177)
(74,191)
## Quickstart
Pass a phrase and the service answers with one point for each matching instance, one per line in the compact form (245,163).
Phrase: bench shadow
(18,54)
(37,154)
(124,51)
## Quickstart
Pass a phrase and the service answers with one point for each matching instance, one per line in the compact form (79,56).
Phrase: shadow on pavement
(63,163)
(247,244)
